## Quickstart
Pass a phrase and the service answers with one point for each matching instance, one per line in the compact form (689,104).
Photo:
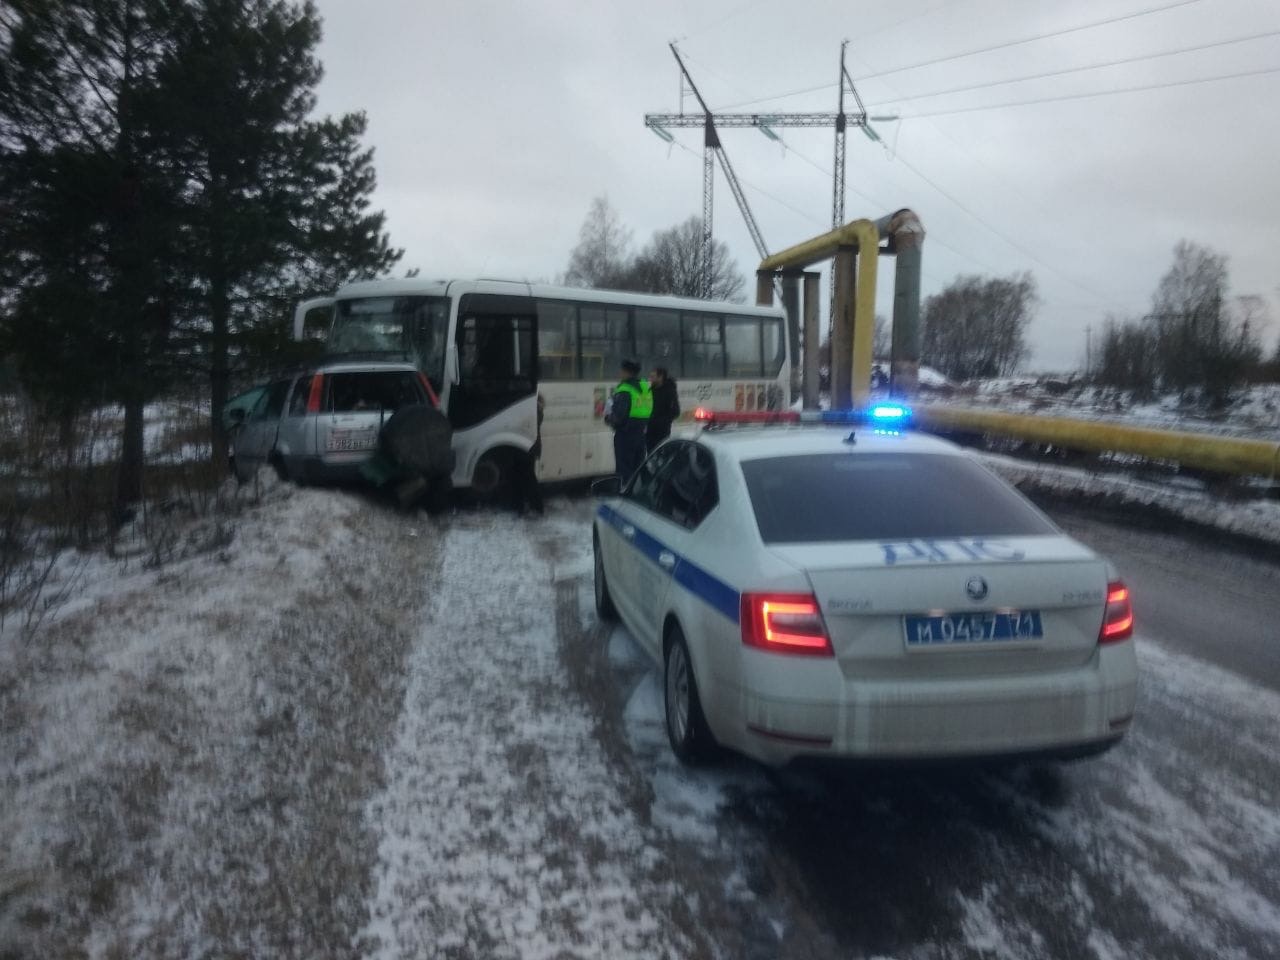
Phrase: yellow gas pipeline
(1203,451)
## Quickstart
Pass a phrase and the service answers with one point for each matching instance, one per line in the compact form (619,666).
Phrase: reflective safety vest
(641,399)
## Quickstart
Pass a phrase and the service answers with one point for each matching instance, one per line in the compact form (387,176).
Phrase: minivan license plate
(348,440)
(954,628)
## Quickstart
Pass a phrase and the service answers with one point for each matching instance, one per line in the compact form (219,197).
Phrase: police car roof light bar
(703,415)
(882,415)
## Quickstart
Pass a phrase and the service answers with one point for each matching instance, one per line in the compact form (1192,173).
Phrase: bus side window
(703,338)
(742,342)
(557,340)
(775,347)
(606,340)
(658,339)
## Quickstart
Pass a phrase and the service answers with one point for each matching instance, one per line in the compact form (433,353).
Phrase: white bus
(490,347)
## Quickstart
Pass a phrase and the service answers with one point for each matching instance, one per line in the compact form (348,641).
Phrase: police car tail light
(784,623)
(1117,621)
(317,389)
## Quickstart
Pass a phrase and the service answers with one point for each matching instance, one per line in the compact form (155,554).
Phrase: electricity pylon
(764,122)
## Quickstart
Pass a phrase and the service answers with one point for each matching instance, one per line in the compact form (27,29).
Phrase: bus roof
(414,286)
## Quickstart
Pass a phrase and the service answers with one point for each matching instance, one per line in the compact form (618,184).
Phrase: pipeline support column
(812,339)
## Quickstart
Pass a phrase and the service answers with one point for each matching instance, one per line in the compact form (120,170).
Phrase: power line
(1041,36)
(740,8)
(975,52)
(759,190)
(880,204)
(1093,66)
(1098,93)
(1003,236)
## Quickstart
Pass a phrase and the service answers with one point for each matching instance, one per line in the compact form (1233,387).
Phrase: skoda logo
(976,588)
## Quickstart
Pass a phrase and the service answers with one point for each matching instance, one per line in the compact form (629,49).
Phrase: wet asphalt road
(1209,600)
(1168,846)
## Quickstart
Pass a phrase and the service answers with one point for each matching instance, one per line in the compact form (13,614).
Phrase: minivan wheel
(282,471)
(691,739)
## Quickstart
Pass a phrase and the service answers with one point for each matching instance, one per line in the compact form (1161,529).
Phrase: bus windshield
(416,326)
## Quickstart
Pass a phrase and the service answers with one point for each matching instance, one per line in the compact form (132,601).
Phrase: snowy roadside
(1256,520)
(505,830)
(187,749)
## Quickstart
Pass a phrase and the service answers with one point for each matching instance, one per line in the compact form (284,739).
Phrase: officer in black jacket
(666,408)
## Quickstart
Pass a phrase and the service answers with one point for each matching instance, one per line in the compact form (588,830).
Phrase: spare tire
(419,438)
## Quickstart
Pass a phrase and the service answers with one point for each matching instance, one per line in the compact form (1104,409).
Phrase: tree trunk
(219,367)
(219,310)
(129,478)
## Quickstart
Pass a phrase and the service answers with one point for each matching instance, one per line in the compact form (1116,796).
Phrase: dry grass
(57,499)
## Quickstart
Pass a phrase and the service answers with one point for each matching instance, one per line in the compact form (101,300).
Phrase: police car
(852,589)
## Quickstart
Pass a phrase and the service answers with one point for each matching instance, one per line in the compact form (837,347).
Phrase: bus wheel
(492,477)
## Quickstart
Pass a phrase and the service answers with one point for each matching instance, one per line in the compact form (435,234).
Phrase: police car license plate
(960,628)
(345,440)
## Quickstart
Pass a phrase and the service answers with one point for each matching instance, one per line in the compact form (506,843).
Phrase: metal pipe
(842,316)
(812,340)
(905,235)
(791,304)
(764,288)
(864,321)
(1202,451)
(856,233)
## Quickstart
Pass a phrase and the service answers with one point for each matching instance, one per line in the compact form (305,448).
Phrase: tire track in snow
(503,830)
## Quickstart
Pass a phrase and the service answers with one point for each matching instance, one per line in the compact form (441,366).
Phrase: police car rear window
(823,498)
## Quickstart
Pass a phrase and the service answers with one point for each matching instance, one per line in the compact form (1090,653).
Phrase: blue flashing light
(890,415)
(890,412)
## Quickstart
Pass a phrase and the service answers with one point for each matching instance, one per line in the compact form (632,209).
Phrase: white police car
(853,591)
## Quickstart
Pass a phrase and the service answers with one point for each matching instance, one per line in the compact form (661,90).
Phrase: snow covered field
(349,732)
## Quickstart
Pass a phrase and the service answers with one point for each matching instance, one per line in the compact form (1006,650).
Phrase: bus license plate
(347,440)
(959,628)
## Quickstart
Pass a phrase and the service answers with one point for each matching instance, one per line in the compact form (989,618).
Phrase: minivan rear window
(373,390)
(830,497)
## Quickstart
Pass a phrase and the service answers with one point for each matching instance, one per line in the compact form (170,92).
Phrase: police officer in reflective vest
(629,412)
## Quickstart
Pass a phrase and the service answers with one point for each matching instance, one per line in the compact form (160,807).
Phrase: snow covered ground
(350,732)
(185,746)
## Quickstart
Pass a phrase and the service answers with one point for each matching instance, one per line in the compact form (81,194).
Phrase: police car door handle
(666,559)
(628,531)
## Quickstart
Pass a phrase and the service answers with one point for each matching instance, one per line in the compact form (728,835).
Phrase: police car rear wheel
(604,603)
(687,729)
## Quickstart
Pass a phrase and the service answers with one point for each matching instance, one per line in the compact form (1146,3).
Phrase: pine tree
(165,194)
(277,203)
(88,228)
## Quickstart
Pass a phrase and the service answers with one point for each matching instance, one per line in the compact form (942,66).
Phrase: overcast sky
(495,123)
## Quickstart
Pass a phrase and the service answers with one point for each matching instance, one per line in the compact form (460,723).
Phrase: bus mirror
(312,319)
(608,487)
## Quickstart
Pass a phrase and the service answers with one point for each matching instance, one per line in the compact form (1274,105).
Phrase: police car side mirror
(608,487)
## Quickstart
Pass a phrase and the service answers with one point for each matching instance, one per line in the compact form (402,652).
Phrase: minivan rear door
(356,404)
